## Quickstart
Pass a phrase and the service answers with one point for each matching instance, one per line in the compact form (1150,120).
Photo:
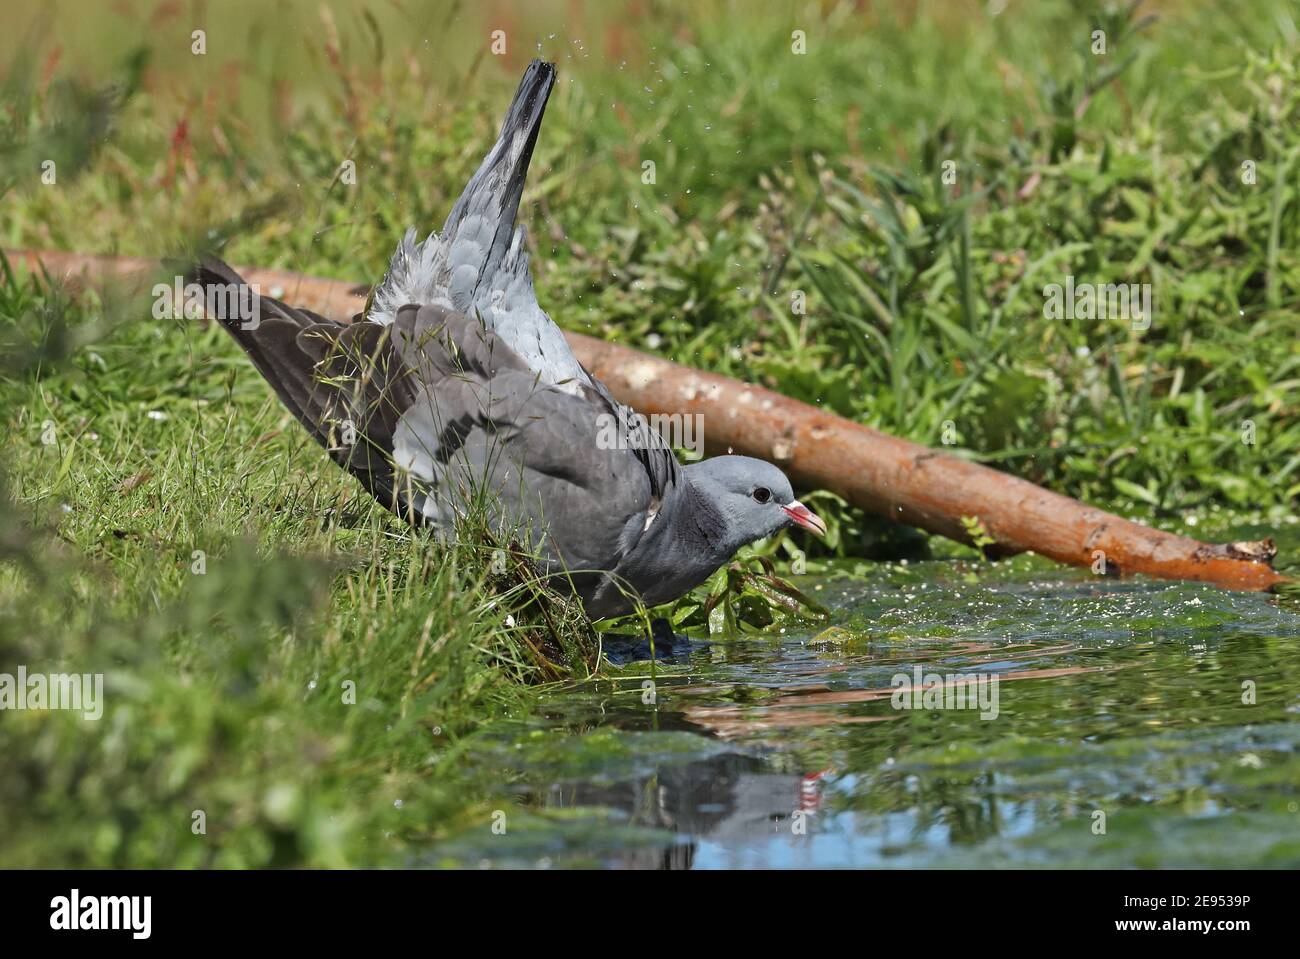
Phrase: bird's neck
(704,530)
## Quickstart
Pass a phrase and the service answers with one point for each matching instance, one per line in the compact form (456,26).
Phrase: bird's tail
(485,213)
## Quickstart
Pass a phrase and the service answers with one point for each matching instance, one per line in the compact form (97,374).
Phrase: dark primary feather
(484,216)
(311,362)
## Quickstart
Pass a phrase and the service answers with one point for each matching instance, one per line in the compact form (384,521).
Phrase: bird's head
(753,498)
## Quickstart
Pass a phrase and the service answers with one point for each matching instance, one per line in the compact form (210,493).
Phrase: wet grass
(139,452)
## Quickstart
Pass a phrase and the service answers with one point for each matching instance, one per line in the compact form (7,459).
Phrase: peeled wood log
(880,473)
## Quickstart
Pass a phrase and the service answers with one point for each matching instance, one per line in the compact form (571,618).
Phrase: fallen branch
(880,473)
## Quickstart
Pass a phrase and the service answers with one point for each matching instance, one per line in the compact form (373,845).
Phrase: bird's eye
(762,494)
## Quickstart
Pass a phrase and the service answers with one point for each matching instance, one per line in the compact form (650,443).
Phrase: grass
(284,656)
(132,446)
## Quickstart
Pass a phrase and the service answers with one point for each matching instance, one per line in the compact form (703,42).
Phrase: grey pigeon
(456,389)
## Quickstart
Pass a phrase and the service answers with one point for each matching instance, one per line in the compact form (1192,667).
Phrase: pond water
(1136,724)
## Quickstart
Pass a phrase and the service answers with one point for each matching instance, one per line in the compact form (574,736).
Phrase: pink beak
(805,517)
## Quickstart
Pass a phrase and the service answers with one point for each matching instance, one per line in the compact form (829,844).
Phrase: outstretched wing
(477,264)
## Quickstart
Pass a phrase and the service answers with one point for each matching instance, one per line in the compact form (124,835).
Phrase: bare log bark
(880,473)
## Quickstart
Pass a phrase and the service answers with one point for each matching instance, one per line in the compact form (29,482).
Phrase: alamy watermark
(628,430)
(76,691)
(1099,301)
(952,691)
(75,912)
(218,301)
